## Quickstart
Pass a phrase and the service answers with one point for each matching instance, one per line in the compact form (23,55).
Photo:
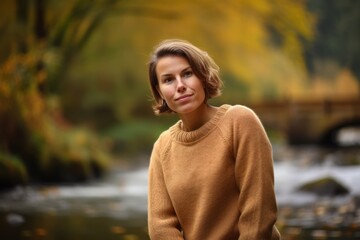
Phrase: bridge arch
(330,137)
(311,121)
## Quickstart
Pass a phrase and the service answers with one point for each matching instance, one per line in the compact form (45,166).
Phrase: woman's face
(182,90)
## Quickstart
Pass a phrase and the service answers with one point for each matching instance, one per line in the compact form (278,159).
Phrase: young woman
(210,174)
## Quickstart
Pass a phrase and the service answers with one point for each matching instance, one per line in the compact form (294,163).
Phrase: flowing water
(115,207)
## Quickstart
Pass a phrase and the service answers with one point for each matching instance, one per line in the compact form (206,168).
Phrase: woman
(210,174)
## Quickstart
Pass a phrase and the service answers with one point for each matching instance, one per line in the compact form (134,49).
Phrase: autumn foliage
(66,64)
(36,141)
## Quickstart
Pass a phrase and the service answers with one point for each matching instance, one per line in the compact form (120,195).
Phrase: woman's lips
(183,97)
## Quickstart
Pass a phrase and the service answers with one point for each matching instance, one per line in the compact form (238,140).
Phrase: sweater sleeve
(162,219)
(255,179)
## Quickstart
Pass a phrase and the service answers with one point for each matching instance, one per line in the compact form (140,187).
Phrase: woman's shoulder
(240,118)
(241,112)
(241,121)
(164,139)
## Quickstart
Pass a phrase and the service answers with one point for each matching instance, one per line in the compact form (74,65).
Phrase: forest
(74,94)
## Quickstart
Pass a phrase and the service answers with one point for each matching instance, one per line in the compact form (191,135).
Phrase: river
(115,207)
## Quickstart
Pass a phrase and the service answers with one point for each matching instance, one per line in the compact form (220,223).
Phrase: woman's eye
(188,74)
(167,80)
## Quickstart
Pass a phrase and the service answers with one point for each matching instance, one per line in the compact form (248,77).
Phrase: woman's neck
(196,119)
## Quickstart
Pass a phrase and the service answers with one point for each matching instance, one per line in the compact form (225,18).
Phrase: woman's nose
(180,85)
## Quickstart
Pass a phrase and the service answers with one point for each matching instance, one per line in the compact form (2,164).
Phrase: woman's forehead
(171,64)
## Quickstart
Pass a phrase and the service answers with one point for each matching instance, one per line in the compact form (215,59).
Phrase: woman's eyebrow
(165,75)
(186,69)
(170,74)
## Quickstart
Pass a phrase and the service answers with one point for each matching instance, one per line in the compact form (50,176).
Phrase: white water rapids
(126,192)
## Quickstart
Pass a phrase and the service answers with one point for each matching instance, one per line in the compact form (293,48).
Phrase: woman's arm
(255,178)
(162,219)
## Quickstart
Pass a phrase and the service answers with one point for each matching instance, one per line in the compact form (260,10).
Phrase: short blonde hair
(200,62)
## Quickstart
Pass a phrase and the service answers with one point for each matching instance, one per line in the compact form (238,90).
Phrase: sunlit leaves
(34,126)
(246,38)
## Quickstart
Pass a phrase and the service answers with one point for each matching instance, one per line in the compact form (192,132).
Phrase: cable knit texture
(215,182)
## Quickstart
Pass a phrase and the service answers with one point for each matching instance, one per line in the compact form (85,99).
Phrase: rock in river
(326,186)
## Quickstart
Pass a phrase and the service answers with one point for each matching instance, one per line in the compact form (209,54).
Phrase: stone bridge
(310,122)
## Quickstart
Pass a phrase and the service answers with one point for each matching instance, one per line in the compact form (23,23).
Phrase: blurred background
(77,127)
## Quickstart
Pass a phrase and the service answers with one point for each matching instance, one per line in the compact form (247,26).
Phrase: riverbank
(326,218)
(115,207)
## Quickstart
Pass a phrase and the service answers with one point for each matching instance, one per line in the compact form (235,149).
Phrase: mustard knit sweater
(215,182)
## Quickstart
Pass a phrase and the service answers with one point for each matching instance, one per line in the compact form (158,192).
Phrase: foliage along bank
(36,142)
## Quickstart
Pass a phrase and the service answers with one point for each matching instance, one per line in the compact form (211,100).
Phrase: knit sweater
(215,182)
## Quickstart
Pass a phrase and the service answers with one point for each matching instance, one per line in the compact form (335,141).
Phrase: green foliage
(107,80)
(37,51)
(33,127)
(135,137)
(12,171)
(76,62)
(72,155)
(337,33)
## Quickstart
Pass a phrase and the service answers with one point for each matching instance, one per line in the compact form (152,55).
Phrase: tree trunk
(40,28)
(22,16)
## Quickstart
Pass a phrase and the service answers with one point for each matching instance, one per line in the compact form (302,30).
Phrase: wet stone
(326,186)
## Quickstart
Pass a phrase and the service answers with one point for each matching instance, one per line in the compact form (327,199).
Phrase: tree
(35,132)
(338,34)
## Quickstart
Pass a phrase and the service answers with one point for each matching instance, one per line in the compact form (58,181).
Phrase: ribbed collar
(184,137)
